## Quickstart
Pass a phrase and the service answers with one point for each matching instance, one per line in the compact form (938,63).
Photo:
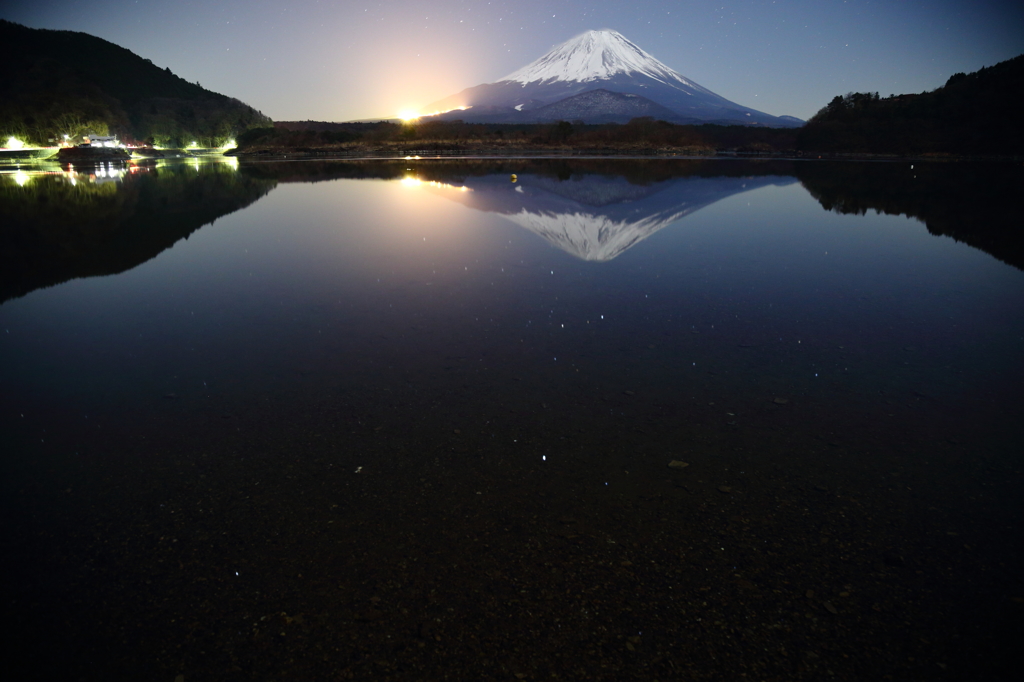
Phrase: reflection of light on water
(411,181)
(99,175)
(21,178)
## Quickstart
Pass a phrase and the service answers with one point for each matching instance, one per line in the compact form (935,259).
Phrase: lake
(512,419)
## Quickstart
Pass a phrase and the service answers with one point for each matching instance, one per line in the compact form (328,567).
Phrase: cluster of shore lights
(14,143)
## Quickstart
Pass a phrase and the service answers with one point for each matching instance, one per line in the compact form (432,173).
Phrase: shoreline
(319,153)
(366,152)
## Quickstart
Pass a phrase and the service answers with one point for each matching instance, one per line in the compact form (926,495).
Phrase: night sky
(333,60)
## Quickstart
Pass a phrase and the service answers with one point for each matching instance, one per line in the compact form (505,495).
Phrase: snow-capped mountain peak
(596,55)
(565,84)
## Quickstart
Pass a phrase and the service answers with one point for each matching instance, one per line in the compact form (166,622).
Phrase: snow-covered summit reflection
(597,217)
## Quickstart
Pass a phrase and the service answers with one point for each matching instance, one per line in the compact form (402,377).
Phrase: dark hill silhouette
(64,82)
(971,114)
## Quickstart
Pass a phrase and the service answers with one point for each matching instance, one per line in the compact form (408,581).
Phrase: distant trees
(971,114)
(69,126)
(843,106)
(640,134)
(562,132)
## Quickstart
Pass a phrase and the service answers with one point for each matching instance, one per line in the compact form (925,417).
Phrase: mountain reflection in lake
(334,420)
(597,217)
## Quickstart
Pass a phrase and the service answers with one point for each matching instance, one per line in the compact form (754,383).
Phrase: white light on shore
(14,143)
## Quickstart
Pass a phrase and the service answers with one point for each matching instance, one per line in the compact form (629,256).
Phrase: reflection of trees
(975,203)
(967,201)
(55,230)
(637,171)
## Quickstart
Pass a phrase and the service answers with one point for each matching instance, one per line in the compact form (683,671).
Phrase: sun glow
(408,115)
(412,181)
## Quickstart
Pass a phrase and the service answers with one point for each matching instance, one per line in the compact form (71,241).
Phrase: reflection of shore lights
(21,178)
(14,143)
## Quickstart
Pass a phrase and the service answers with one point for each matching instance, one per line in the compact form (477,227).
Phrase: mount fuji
(597,217)
(637,84)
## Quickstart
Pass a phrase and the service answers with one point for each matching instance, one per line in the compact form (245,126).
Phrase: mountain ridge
(58,83)
(591,61)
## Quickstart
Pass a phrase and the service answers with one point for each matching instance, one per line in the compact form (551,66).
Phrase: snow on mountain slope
(591,61)
(597,55)
(595,217)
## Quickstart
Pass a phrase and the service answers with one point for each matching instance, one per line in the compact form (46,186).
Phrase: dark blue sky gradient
(333,60)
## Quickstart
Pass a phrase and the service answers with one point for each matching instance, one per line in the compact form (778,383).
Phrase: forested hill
(57,83)
(975,113)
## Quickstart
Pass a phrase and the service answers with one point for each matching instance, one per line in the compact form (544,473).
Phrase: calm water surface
(413,419)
